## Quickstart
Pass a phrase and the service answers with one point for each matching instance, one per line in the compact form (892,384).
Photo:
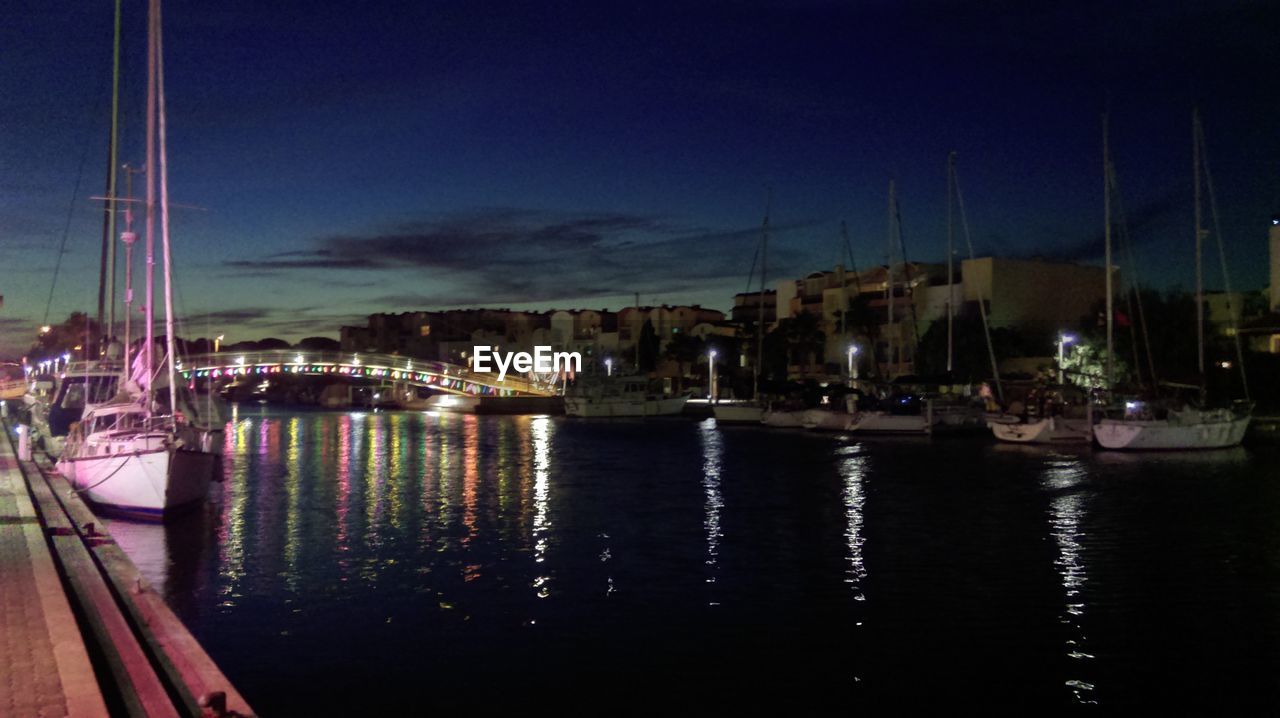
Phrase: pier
(81,632)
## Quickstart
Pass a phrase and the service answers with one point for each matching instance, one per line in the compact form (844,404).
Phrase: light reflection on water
(712,456)
(853,470)
(541,430)
(420,544)
(1067,511)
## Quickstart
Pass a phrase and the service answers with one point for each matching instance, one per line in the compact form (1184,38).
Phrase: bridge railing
(370,366)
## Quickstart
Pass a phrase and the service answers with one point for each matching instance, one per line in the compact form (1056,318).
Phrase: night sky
(354,158)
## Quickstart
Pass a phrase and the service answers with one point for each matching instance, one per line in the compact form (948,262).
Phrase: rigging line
(752,274)
(1222,257)
(908,290)
(108,476)
(982,306)
(66,229)
(1126,245)
(848,251)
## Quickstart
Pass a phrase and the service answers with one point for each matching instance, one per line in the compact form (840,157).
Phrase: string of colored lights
(422,378)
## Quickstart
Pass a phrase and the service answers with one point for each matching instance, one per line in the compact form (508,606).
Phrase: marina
(397,359)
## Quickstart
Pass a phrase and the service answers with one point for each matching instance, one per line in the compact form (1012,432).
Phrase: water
(363,562)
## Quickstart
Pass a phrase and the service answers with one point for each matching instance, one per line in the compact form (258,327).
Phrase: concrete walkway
(44,667)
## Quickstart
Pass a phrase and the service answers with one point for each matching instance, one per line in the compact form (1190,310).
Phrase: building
(452,335)
(746,307)
(1029,294)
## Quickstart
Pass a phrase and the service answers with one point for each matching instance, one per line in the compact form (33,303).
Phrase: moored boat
(738,413)
(136,465)
(1173,429)
(621,397)
(1048,430)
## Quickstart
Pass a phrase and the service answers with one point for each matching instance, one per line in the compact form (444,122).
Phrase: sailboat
(133,455)
(895,413)
(1142,426)
(753,411)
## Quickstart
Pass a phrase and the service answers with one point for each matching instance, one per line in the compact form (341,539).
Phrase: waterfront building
(1030,294)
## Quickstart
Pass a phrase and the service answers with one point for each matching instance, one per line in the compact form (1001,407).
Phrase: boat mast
(982,303)
(149,309)
(888,285)
(128,237)
(1195,162)
(764,261)
(107,268)
(1106,235)
(164,224)
(951,285)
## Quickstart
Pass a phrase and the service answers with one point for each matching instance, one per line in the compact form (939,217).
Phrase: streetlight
(711,359)
(853,368)
(1063,340)
(608,366)
(217,343)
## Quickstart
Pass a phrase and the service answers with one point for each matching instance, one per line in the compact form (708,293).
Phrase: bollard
(24,442)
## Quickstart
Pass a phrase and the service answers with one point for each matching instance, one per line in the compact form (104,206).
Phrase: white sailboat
(130,456)
(1142,427)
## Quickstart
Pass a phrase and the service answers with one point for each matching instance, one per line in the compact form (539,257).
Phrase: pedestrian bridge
(373,368)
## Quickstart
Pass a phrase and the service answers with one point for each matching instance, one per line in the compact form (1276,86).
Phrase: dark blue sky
(396,156)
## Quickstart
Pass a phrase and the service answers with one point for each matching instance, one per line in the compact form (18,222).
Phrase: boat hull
(738,413)
(825,420)
(1053,430)
(148,484)
(880,422)
(1169,435)
(1214,433)
(588,408)
(783,419)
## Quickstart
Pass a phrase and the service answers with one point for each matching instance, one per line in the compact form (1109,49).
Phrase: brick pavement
(44,667)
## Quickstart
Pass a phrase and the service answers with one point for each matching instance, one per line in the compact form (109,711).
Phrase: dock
(81,631)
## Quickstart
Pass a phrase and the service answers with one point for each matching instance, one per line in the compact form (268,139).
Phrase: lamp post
(711,360)
(217,343)
(608,366)
(853,368)
(1063,340)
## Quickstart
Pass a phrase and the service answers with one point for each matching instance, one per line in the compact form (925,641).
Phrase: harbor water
(369,562)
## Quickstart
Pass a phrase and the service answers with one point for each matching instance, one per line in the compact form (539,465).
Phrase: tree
(796,340)
(649,345)
(319,344)
(75,336)
(685,349)
(805,338)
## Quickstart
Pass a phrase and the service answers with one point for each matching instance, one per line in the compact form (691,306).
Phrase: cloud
(509,255)
(1140,227)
